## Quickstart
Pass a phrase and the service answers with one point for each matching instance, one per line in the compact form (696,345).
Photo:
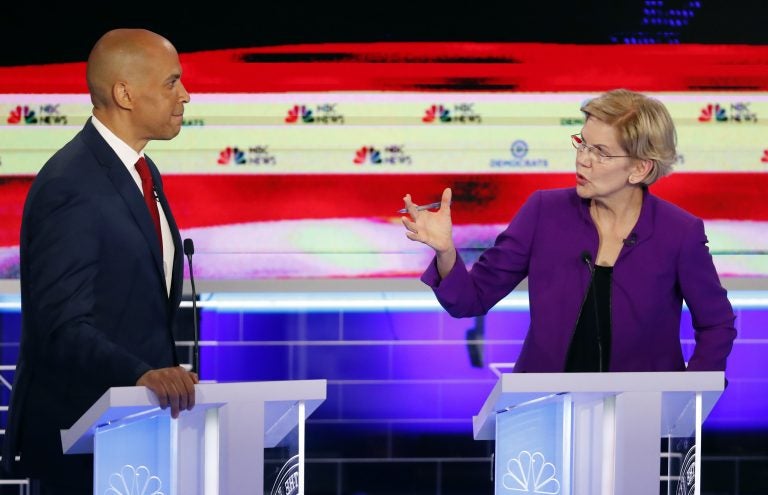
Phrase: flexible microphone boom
(587,258)
(189,250)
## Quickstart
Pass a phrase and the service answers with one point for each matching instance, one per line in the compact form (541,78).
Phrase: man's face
(160,96)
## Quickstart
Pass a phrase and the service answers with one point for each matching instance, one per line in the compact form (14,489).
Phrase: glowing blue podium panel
(239,436)
(149,452)
(534,456)
(598,433)
(143,463)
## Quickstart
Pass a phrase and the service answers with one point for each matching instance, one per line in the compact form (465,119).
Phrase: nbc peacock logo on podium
(531,473)
(132,480)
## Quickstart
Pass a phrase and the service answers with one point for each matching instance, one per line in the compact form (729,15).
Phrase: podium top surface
(513,389)
(675,381)
(119,403)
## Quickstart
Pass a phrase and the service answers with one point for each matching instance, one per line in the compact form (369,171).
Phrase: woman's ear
(640,171)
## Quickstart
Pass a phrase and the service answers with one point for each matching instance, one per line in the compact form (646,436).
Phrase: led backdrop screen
(293,161)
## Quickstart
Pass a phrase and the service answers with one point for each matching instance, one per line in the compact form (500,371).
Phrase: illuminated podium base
(598,433)
(245,437)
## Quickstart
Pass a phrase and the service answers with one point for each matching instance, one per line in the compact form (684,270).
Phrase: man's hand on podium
(174,387)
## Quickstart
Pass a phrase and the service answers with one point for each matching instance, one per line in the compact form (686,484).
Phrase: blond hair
(644,127)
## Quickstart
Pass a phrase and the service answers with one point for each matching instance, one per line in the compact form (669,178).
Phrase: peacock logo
(531,473)
(134,481)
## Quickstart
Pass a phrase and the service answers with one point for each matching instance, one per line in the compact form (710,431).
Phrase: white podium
(245,437)
(598,433)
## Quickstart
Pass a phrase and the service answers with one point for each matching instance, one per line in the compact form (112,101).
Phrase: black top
(586,348)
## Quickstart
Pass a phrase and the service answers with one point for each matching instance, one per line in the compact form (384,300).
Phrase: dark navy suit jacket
(95,309)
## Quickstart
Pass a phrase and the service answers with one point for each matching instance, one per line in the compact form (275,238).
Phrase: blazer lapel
(126,187)
(177,275)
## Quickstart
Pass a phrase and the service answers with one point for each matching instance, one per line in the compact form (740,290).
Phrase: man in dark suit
(101,272)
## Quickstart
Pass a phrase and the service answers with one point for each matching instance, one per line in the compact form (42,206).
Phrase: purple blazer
(668,262)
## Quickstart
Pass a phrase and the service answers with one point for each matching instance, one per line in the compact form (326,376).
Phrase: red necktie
(148,188)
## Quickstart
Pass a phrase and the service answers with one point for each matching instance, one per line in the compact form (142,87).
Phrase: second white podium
(598,433)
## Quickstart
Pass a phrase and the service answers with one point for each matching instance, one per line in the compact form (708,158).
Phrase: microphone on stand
(189,250)
(587,258)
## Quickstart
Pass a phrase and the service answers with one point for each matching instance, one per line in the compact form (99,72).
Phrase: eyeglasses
(578,142)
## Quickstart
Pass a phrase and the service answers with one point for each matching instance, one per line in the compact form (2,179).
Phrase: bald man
(101,268)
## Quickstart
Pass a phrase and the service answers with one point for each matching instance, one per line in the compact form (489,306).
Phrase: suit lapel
(126,187)
(178,258)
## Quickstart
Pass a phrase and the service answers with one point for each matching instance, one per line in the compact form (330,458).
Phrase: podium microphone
(189,250)
(587,258)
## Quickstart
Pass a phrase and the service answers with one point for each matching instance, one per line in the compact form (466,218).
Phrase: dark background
(32,34)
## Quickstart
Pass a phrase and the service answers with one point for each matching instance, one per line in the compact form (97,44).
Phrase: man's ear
(122,94)
(640,171)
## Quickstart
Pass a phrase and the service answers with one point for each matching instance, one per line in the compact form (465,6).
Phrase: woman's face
(600,177)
